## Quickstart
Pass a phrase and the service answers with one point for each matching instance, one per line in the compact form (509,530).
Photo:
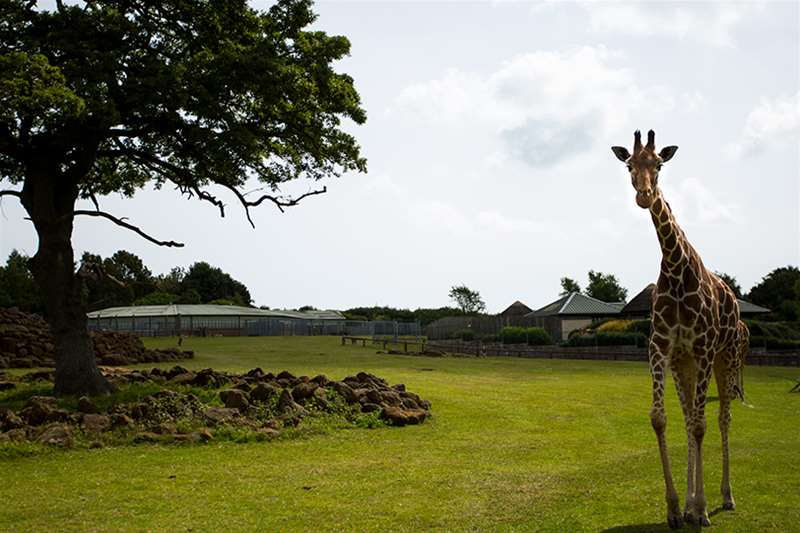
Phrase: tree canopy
(108,96)
(605,287)
(731,282)
(17,287)
(467,300)
(777,291)
(569,285)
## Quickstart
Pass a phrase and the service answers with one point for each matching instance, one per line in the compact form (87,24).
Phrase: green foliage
(157,298)
(614,325)
(222,301)
(423,316)
(518,335)
(605,287)
(17,286)
(776,291)
(469,301)
(568,286)
(780,330)
(463,334)
(610,338)
(641,326)
(211,283)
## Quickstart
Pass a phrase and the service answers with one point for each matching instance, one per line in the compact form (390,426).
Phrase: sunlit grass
(514,444)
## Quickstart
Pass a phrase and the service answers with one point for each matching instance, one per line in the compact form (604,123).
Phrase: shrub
(778,330)
(640,326)
(519,335)
(614,326)
(609,339)
(463,334)
(773,343)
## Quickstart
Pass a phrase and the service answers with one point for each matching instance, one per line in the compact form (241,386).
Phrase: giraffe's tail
(742,349)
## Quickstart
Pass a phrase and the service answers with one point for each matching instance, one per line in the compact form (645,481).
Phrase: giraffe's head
(644,166)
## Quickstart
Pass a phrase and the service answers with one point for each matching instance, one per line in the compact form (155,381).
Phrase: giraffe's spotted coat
(696,330)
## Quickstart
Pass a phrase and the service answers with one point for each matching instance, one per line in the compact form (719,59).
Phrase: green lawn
(514,445)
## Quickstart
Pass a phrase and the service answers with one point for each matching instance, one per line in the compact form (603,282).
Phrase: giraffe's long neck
(676,251)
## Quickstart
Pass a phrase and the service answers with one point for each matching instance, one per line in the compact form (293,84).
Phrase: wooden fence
(757,356)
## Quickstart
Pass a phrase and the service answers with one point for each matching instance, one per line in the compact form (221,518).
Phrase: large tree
(776,291)
(17,287)
(211,283)
(568,286)
(605,287)
(107,96)
(731,282)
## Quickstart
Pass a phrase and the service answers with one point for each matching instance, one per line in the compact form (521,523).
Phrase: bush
(773,343)
(640,326)
(609,339)
(463,334)
(777,330)
(519,335)
(614,326)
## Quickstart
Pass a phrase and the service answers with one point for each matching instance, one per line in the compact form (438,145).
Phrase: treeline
(123,280)
(421,315)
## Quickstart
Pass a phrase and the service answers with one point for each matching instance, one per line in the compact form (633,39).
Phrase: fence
(247,326)
(757,356)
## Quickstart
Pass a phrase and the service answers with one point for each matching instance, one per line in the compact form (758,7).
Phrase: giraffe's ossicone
(696,330)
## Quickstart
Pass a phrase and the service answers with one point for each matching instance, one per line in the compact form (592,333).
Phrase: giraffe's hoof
(689,517)
(675,520)
(729,505)
(703,520)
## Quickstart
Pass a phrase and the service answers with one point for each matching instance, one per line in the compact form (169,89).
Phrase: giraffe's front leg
(684,373)
(658,418)
(697,513)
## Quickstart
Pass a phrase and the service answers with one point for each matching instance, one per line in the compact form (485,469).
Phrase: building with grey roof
(209,319)
(571,312)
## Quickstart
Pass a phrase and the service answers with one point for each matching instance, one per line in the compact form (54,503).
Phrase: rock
(9,420)
(16,435)
(57,435)
(235,399)
(58,415)
(321,380)
(286,375)
(95,445)
(147,436)
(321,398)
(263,392)
(399,387)
(401,417)
(220,415)
(345,391)
(37,409)
(7,385)
(184,379)
(121,420)
(370,407)
(86,405)
(202,435)
(303,390)
(269,433)
(243,386)
(287,405)
(94,423)
(166,428)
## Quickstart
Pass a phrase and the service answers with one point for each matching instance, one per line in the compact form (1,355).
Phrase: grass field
(514,445)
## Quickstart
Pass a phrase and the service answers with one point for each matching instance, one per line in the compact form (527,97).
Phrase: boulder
(345,391)
(94,423)
(57,435)
(304,390)
(235,399)
(86,405)
(121,420)
(37,409)
(263,392)
(220,415)
(7,385)
(9,420)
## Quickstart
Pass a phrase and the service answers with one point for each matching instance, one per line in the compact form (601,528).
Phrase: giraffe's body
(696,330)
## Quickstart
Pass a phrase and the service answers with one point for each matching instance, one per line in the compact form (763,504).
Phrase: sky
(488,145)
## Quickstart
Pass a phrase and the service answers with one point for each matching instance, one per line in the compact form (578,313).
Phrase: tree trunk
(50,201)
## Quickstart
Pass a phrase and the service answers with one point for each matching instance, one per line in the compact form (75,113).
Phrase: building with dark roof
(571,312)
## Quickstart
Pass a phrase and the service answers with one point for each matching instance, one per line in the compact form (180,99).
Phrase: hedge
(609,339)
(519,335)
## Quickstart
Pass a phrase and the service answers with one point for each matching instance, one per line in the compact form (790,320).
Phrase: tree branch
(18,194)
(277,200)
(121,222)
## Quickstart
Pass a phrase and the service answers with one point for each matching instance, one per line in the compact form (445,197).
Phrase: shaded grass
(522,445)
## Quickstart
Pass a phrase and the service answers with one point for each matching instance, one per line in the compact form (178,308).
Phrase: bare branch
(277,200)
(121,222)
(18,194)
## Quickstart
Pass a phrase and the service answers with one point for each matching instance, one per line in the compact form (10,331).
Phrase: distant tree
(157,298)
(568,286)
(605,287)
(171,283)
(211,283)
(117,281)
(776,291)
(222,301)
(467,300)
(308,308)
(17,286)
(102,97)
(731,282)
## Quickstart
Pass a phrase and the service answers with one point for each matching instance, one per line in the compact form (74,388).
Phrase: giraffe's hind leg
(727,381)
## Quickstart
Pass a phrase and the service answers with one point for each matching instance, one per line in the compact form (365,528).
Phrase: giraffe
(696,330)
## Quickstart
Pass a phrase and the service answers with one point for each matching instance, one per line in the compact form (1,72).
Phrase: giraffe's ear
(667,152)
(622,153)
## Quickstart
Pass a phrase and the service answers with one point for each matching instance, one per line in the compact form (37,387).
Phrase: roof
(748,308)
(210,310)
(579,304)
(516,309)
(640,304)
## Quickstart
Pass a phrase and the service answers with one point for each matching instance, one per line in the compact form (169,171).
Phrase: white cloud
(542,106)
(711,23)
(697,204)
(775,121)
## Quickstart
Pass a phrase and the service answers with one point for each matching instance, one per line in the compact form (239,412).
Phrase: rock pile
(25,342)
(263,403)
